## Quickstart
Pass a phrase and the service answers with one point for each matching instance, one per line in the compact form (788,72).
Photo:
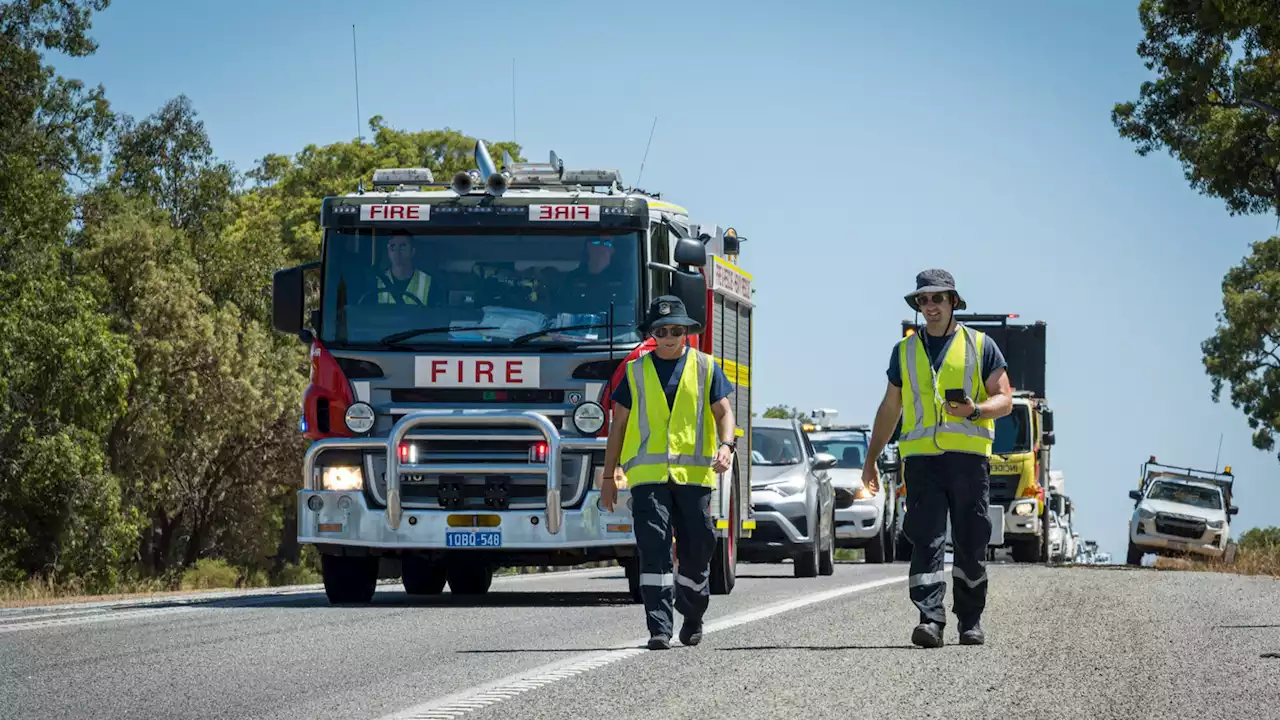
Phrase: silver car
(863,519)
(793,500)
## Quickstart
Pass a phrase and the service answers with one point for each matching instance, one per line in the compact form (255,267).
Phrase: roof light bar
(402,176)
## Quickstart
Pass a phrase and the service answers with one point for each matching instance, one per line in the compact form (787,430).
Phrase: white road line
(101,617)
(482,696)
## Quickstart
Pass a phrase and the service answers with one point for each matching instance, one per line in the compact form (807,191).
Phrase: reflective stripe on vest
(922,397)
(419,284)
(676,442)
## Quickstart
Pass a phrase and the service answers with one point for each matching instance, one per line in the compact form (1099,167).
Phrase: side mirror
(1048,439)
(691,253)
(691,288)
(1135,495)
(1233,510)
(1047,420)
(288,298)
(824,461)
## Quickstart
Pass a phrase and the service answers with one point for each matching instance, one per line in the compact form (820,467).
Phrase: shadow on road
(1246,627)
(820,648)
(514,651)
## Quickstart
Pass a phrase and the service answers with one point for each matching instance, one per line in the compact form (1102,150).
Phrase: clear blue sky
(853,144)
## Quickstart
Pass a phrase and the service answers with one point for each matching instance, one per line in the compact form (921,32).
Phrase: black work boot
(691,632)
(971,634)
(659,642)
(927,634)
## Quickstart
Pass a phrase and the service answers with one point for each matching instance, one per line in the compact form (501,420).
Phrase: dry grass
(45,592)
(1256,561)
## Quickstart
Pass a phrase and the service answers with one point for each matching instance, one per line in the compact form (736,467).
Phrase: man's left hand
(723,458)
(961,410)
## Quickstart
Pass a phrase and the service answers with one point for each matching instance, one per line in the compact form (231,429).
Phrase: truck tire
(1135,555)
(1025,551)
(1044,536)
(724,561)
(422,577)
(349,579)
(469,579)
(1229,554)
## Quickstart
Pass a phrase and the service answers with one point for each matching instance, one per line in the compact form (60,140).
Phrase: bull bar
(554,514)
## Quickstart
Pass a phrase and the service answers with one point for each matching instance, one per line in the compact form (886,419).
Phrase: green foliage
(1215,102)
(209,573)
(1261,539)
(784,412)
(1244,352)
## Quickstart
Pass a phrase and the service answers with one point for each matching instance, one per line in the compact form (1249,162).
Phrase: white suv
(1177,516)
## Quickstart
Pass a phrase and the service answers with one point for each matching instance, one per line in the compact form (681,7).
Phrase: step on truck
(1181,511)
(1020,459)
(465,336)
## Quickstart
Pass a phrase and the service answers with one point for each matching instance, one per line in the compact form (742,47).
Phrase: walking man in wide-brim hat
(671,433)
(948,384)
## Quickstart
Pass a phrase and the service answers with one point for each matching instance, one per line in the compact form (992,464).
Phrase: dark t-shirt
(669,375)
(992,357)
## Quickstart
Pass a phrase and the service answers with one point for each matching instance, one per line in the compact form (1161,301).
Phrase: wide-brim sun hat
(669,310)
(933,281)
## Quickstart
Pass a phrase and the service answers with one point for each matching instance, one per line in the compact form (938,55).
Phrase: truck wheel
(469,579)
(1025,551)
(1044,537)
(349,579)
(1135,555)
(827,559)
(1229,554)
(422,577)
(724,562)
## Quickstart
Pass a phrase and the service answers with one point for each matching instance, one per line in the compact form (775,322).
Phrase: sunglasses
(936,299)
(665,331)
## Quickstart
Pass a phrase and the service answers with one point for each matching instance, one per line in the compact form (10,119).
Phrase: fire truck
(465,337)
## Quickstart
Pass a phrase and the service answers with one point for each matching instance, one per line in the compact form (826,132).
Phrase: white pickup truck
(1180,511)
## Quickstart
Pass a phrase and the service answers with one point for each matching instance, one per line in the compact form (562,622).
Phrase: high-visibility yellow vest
(677,442)
(926,428)
(419,284)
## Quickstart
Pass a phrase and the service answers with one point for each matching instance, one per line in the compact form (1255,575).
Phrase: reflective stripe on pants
(659,511)
(937,485)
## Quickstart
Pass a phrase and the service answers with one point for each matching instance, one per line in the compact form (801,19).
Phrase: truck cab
(1180,511)
(464,340)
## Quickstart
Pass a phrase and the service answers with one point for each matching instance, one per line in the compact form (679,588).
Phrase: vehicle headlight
(788,487)
(1146,514)
(588,418)
(360,418)
(342,478)
(1216,524)
(1024,508)
(863,494)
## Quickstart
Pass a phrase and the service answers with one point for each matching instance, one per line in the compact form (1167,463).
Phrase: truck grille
(1167,524)
(468,395)
(1004,489)
(468,490)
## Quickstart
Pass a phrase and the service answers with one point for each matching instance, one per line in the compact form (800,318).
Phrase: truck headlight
(1024,508)
(1145,514)
(1216,524)
(342,478)
(360,418)
(588,418)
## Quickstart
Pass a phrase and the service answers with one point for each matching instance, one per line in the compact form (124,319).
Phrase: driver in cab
(402,283)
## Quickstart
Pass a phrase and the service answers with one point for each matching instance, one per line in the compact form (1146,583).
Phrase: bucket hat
(670,310)
(932,281)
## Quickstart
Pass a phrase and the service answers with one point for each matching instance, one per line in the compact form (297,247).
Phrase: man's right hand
(609,483)
(871,478)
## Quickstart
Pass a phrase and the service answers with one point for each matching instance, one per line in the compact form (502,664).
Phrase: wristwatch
(976,415)
(732,444)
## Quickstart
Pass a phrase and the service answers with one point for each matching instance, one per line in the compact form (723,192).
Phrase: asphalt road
(1062,642)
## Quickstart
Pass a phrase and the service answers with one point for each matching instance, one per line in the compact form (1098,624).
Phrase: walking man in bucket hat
(948,384)
(671,433)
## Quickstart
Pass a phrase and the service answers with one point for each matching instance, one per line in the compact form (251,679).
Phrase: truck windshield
(1194,495)
(402,288)
(849,449)
(1013,432)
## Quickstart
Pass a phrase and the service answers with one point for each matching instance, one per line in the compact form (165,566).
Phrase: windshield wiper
(521,340)
(394,338)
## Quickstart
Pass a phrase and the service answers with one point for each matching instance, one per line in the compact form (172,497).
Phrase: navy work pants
(959,484)
(659,509)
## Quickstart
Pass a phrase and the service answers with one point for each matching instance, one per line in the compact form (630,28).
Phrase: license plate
(1176,545)
(478,539)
